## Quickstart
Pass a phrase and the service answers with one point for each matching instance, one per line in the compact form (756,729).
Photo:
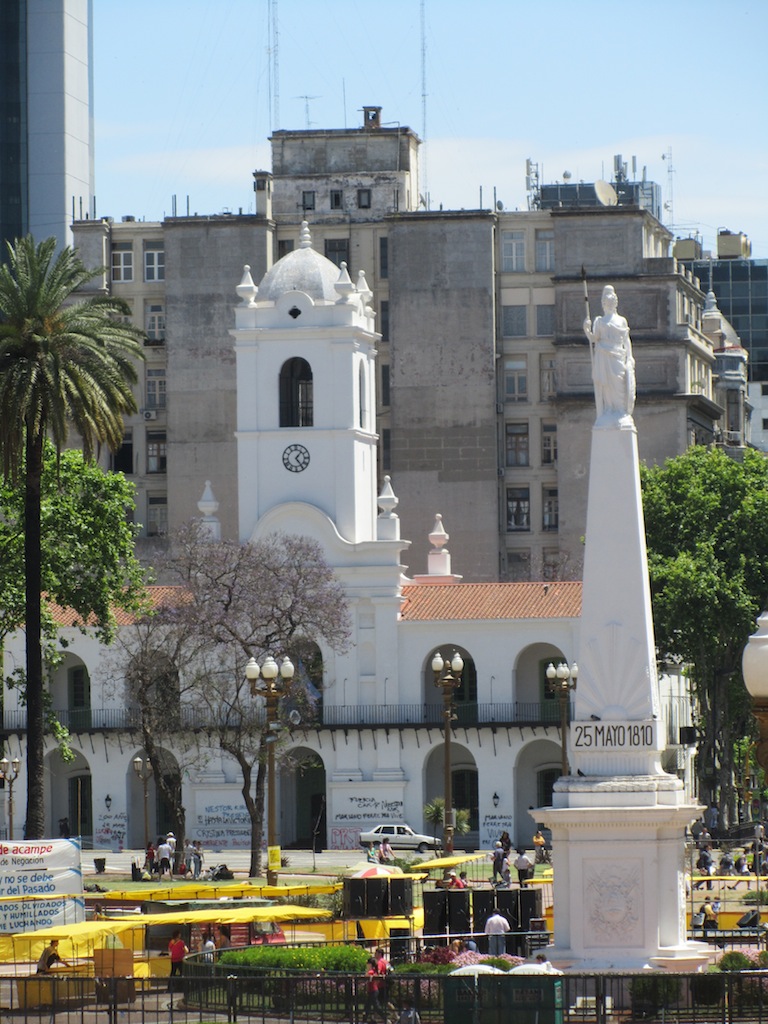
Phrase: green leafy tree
(706,518)
(63,364)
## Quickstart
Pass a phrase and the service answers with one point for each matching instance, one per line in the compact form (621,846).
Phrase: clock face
(295,458)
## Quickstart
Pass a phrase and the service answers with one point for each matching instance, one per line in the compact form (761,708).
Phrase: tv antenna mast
(423,21)
(274,63)
(669,206)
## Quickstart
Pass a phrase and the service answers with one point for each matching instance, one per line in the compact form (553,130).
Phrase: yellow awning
(450,862)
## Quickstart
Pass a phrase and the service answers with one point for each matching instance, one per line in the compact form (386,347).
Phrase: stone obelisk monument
(618,819)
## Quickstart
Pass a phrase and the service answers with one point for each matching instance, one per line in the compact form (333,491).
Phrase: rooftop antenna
(669,206)
(306,108)
(424,96)
(274,64)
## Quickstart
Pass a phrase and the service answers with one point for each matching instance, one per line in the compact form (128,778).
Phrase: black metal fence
(210,992)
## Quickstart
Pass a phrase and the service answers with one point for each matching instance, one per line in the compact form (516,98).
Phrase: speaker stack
(377,897)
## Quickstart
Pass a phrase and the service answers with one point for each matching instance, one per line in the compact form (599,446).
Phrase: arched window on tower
(296,406)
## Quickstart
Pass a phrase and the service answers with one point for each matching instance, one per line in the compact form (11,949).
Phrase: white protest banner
(41,869)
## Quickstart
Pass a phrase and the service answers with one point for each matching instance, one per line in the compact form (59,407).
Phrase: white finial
(362,287)
(209,506)
(387,500)
(305,238)
(247,290)
(344,284)
(438,538)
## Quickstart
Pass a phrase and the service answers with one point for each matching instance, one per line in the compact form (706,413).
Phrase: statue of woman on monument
(613,367)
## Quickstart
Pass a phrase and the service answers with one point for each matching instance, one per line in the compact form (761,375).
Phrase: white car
(401,837)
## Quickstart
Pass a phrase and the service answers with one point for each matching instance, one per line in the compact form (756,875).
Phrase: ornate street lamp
(448,679)
(561,681)
(273,683)
(144,771)
(9,770)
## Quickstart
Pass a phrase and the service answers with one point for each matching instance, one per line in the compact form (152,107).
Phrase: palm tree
(62,363)
(434,814)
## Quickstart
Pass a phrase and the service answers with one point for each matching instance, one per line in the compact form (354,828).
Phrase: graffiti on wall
(110,830)
(492,825)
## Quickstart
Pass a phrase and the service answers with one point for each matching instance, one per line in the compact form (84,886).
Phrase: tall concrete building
(46,122)
(484,393)
(740,285)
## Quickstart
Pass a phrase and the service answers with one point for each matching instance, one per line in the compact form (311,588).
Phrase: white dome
(302,270)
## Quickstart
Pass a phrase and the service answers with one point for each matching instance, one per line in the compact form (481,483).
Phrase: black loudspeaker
(354,897)
(376,897)
(458,912)
(687,736)
(749,920)
(483,903)
(401,896)
(529,907)
(435,912)
(399,941)
(508,905)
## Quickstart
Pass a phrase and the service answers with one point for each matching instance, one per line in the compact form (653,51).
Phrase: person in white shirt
(165,857)
(496,928)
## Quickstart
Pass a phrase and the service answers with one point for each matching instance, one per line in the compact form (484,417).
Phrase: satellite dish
(567,175)
(499,206)
(606,194)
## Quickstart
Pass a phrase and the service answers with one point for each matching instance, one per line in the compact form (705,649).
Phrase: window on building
(545,321)
(337,251)
(513,251)
(122,261)
(548,443)
(517,444)
(121,461)
(154,261)
(337,199)
(385,384)
(155,388)
(384,321)
(284,246)
(156,451)
(363,199)
(549,506)
(551,564)
(545,249)
(155,323)
(514,321)
(518,509)
(765,424)
(307,200)
(547,384)
(157,515)
(466,794)
(516,379)
(386,448)
(383,257)
(296,399)
(518,566)
(79,698)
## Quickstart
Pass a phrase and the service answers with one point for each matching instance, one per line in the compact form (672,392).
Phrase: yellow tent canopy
(79,940)
(218,892)
(450,862)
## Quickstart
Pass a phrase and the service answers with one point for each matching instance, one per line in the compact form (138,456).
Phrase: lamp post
(448,679)
(9,770)
(271,688)
(561,681)
(143,769)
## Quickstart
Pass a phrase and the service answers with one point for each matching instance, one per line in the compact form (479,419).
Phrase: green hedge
(350,959)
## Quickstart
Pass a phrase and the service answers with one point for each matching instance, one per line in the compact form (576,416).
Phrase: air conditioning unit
(150,414)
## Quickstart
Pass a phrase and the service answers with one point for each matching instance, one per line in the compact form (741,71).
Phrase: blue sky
(184,106)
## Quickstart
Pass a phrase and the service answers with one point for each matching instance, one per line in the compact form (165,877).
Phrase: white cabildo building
(305,346)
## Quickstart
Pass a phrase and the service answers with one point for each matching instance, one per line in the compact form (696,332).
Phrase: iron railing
(207,992)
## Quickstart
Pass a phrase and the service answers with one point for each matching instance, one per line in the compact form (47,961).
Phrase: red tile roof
(158,597)
(485,601)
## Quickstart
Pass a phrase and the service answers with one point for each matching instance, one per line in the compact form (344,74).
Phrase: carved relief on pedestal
(613,903)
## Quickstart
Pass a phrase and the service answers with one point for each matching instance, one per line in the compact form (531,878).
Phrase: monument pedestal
(619,873)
